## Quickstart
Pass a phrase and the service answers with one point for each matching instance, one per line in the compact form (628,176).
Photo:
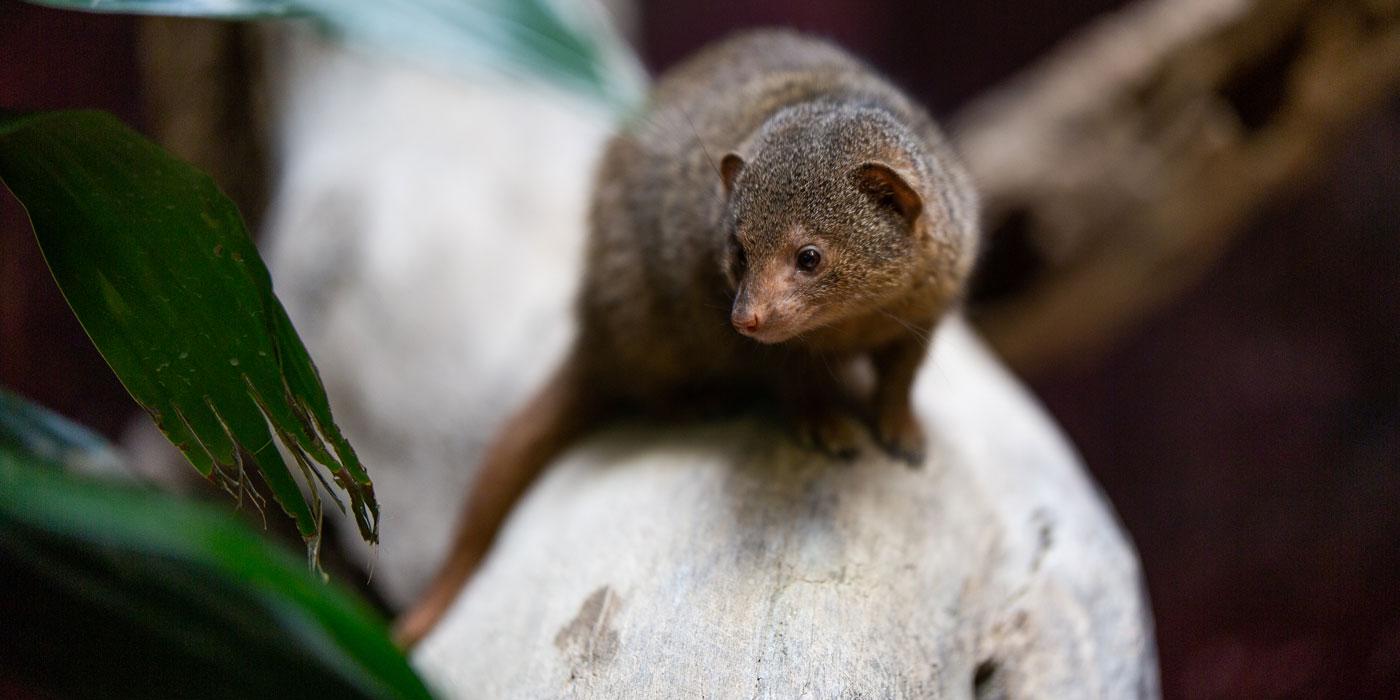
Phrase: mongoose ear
(889,189)
(729,167)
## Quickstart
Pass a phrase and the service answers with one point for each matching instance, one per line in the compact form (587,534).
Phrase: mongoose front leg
(823,416)
(896,426)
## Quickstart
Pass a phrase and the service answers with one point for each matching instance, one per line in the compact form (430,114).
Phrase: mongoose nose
(745,322)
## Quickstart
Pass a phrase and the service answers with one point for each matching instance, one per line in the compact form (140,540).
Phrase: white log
(724,561)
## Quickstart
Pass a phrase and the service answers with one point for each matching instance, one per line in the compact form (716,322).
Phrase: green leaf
(158,268)
(114,590)
(559,40)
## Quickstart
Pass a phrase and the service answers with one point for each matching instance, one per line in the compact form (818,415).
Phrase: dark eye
(808,258)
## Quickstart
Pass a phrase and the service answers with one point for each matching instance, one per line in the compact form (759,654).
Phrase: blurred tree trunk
(206,99)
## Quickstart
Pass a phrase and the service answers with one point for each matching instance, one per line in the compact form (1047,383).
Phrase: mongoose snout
(769,307)
(745,320)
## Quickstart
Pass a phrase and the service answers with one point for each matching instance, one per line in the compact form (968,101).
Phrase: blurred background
(1243,419)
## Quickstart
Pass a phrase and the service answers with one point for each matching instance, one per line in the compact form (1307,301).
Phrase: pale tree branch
(1132,157)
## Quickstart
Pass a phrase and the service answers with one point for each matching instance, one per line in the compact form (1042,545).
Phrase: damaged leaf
(156,264)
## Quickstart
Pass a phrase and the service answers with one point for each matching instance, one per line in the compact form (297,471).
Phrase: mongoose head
(831,214)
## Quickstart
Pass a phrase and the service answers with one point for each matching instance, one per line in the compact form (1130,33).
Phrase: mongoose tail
(557,414)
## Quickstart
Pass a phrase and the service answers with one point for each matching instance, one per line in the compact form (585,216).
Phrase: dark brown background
(1248,435)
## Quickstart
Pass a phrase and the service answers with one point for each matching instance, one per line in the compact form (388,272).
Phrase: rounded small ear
(729,167)
(889,188)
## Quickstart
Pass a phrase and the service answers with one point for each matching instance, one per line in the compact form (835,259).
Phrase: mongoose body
(778,213)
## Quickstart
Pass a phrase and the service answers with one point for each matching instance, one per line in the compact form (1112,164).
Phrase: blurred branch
(1132,156)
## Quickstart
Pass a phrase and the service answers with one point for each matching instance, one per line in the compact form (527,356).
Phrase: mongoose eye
(808,258)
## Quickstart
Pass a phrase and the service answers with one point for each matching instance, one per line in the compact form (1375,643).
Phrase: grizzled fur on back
(659,283)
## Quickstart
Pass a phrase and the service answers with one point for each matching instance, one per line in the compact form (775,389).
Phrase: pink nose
(744,321)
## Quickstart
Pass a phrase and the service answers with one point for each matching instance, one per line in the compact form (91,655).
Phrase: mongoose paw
(901,436)
(835,433)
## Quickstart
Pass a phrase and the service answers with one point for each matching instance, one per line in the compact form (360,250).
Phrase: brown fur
(753,149)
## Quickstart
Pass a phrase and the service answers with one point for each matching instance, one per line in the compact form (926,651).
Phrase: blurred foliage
(116,590)
(567,42)
(156,264)
(34,430)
